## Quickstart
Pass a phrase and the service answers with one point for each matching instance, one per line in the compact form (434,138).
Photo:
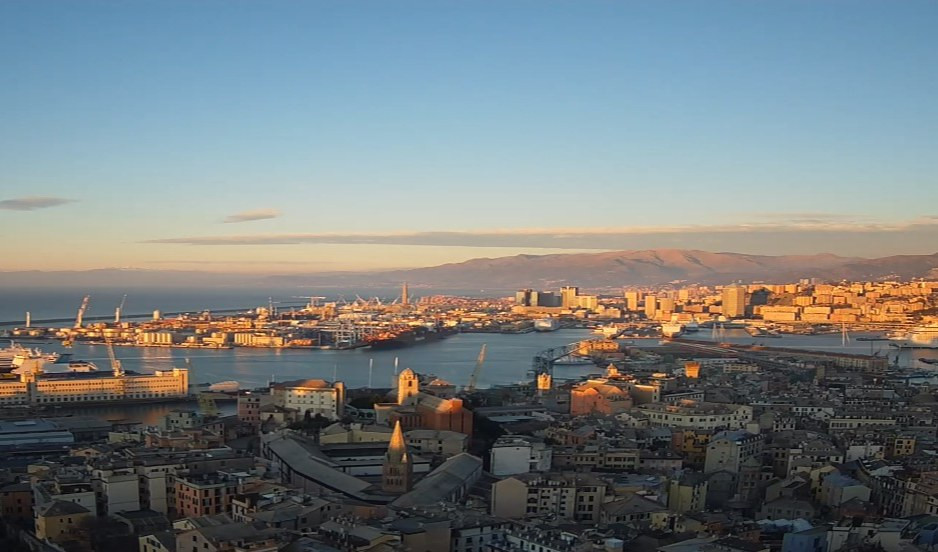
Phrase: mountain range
(588,270)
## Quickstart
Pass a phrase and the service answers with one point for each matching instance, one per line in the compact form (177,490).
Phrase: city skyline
(320,137)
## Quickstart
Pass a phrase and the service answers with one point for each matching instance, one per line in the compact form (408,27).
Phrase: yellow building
(60,521)
(32,389)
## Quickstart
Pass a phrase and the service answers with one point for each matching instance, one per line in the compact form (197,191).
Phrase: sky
(293,136)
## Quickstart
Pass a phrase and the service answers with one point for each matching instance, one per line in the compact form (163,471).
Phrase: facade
(577,497)
(313,396)
(727,450)
(204,496)
(600,397)
(697,415)
(514,454)
(249,409)
(89,387)
(60,521)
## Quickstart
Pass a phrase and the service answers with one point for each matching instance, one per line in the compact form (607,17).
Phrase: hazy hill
(539,271)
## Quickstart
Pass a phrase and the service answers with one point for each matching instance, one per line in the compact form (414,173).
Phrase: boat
(932,361)
(230,386)
(919,337)
(672,329)
(546,324)
(575,361)
(9,354)
(692,326)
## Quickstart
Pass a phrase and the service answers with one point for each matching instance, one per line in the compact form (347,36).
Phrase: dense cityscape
(487,276)
(670,438)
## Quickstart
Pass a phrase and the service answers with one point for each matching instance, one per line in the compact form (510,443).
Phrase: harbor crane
(119,310)
(81,311)
(115,363)
(474,378)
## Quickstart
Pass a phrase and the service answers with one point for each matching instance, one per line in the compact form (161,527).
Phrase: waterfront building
(313,396)
(35,389)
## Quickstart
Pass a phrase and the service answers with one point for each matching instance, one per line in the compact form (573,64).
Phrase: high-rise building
(397,471)
(734,301)
(404,294)
(568,296)
(651,306)
(666,305)
(632,300)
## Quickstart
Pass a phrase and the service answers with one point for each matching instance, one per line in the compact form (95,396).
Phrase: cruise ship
(9,354)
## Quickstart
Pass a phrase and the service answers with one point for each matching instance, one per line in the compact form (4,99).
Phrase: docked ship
(409,336)
(919,337)
(9,354)
(672,329)
(546,324)
(692,326)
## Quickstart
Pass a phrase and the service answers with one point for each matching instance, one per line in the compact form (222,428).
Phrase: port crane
(115,362)
(119,310)
(81,311)
(474,378)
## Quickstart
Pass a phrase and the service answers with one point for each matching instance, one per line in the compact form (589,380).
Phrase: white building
(315,396)
(514,454)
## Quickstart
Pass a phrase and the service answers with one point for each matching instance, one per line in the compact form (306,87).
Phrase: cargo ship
(408,337)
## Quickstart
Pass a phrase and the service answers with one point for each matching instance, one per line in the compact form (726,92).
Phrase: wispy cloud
(594,238)
(32,203)
(256,214)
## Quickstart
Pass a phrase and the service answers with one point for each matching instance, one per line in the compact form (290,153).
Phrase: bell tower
(397,471)
(407,385)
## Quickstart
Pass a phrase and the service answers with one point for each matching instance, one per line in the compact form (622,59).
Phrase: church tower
(407,385)
(397,472)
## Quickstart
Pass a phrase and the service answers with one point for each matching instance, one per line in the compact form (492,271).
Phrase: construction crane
(474,378)
(81,311)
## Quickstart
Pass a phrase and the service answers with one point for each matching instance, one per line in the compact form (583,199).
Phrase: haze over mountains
(596,270)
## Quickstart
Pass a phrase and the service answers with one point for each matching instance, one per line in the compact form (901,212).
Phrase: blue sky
(631,124)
